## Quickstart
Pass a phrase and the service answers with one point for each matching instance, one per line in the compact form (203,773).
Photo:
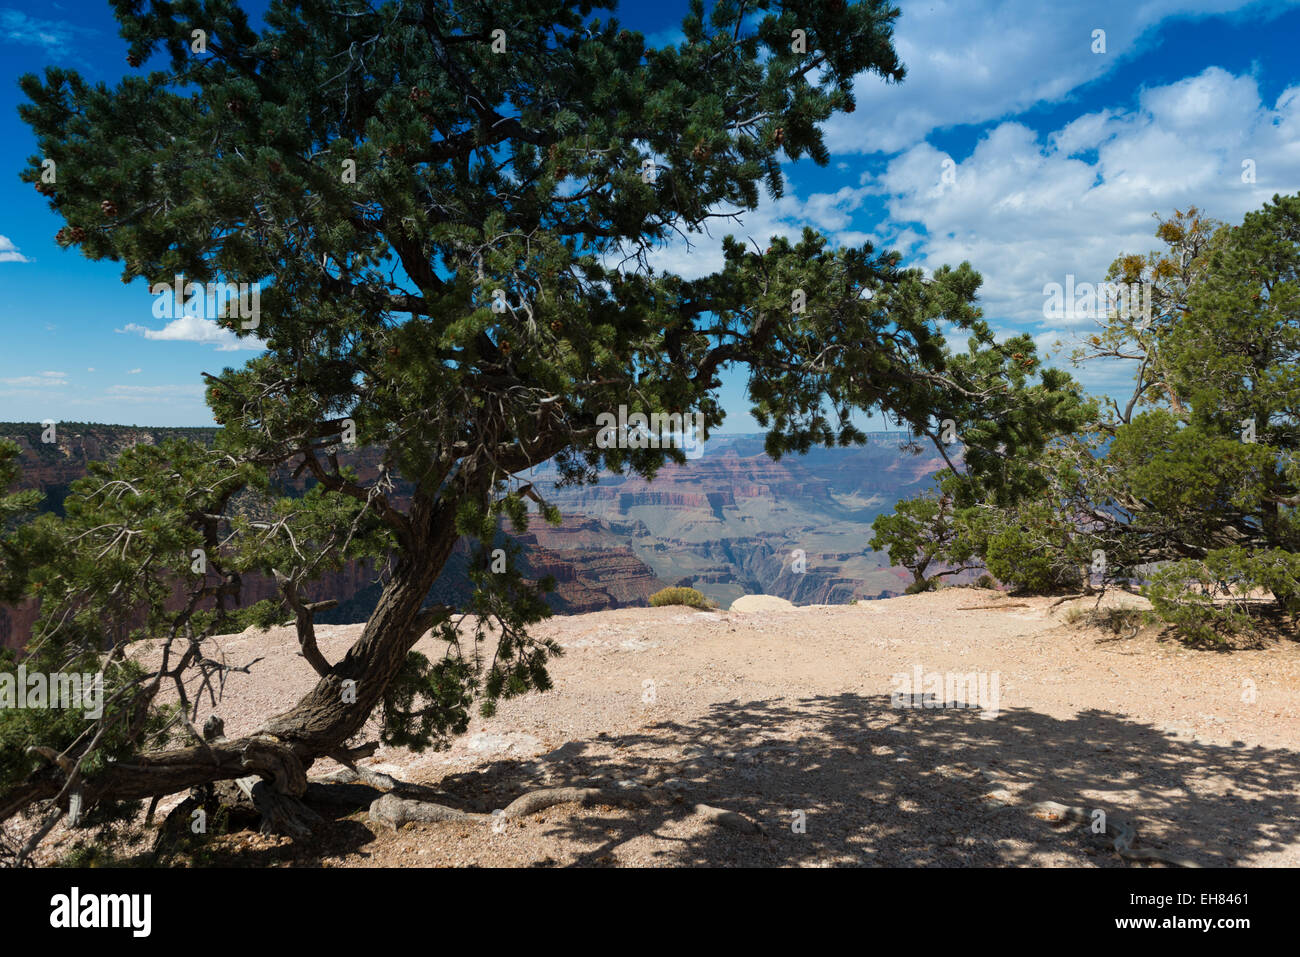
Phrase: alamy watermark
(658,430)
(973,689)
(36,689)
(213,300)
(75,910)
(1102,300)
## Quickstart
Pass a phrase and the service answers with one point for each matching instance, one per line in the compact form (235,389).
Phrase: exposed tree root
(535,801)
(1122,831)
(394,811)
(366,778)
(283,813)
(376,779)
(732,820)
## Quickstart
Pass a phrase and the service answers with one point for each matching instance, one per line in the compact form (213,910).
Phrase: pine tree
(451,209)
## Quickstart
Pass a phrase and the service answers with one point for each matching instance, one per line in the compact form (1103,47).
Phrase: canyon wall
(587,579)
(731,522)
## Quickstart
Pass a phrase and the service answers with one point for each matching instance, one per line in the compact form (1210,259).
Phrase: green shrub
(1029,561)
(1013,557)
(1210,601)
(678,596)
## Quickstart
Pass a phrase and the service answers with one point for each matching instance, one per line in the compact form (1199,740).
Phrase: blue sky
(1011,144)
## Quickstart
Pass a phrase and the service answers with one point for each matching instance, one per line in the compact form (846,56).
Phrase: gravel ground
(784,715)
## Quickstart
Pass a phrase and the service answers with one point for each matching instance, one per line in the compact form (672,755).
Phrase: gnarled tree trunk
(319,725)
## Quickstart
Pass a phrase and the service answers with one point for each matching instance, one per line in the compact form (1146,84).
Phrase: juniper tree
(921,533)
(453,210)
(1218,470)
(1193,485)
(1190,488)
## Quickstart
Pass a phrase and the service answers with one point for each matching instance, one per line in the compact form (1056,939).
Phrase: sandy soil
(785,716)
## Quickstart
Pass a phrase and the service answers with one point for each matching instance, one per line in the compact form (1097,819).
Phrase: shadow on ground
(876,786)
(897,787)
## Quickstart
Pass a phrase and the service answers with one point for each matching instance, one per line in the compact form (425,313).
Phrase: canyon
(729,523)
(736,522)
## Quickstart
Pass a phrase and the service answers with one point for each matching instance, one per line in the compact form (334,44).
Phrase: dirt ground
(785,716)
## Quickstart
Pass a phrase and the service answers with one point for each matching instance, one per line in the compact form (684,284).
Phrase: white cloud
(195,329)
(670,37)
(34,381)
(53,35)
(134,371)
(34,384)
(9,252)
(153,393)
(975,63)
(1027,210)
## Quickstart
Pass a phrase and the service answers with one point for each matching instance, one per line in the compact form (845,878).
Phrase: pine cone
(132,60)
(779,136)
(109,208)
(45,189)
